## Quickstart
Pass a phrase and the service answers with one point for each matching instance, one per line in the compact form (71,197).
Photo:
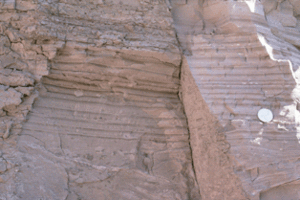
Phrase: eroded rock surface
(242,57)
(107,122)
(90,107)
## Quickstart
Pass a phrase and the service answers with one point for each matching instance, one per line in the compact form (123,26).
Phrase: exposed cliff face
(107,123)
(241,57)
(89,105)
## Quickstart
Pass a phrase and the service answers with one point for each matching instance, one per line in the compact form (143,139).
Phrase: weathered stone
(25,5)
(9,97)
(107,113)
(226,79)
(90,107)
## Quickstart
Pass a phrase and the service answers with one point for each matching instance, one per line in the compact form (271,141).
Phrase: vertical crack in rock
(193,185)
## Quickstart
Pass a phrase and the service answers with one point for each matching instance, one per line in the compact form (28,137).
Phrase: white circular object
(265,115)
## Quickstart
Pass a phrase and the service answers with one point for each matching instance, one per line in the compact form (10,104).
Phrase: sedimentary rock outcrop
(107,123)
(149,99)
(242,57)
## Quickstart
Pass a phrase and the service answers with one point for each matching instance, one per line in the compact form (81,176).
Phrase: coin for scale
(265,115)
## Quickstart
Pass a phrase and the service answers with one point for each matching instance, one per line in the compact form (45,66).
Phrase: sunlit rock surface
(242,57)
(149,99)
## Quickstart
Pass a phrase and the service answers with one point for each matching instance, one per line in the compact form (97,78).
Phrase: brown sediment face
(118,138)
(107,122)
(89,105)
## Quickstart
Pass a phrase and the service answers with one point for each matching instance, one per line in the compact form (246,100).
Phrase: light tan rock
(227,76)
(9,97)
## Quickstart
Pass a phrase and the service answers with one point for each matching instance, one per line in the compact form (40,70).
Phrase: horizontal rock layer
(92,117)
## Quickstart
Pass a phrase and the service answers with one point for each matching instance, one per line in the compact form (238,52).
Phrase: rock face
(242,57)
(108,122)
(143,99)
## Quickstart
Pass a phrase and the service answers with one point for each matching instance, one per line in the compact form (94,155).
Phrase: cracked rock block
(101,82)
